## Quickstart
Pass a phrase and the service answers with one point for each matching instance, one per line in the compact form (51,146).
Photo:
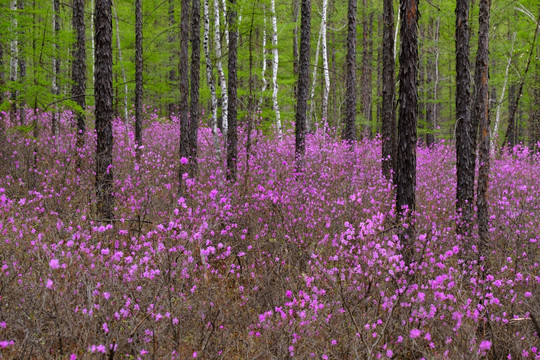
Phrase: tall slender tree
(275,64)
(138,77)
(171,38)
(389,126)
(408,115)
(481,116)
(326,73)
(366,76)
(103,107)
(14,55)
(195,74)
(210,73)
(22,70)
(55,62)
(78,71)
(232,133)
(219,67)
(465,166)
(303,84)
(183,106)
(350,79)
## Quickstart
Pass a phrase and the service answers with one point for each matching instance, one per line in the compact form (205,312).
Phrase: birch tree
(219,67)
(325,70)
(275,61)
(210,74)
(120,57)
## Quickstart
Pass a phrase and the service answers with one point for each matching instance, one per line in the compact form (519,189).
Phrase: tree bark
(303,84)
(219,67)
(183,106)
(366,77)
(326,73)
(14,49)
(465,166)
(389,126)
(408,115)
(232,134)
(55,63)
(138,77)
(350,79)
(78,72)
(120,57)
(481,116)
(22,72)
(310,118)
(275,63)
(103,108)
(195,75)
(174,55)
(210,75)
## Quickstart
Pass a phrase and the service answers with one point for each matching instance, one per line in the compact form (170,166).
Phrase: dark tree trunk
(78,72)
(183,106)
(465,166)
(195,74)
(138,77)
(103,95)
(366,77)
(378,118)
(2,73)
(389,126)
(303,84)
(408,115)
(350,78)
(232,134)
(481,117)
(510,137)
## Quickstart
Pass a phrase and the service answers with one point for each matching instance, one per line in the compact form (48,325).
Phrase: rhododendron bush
(277,265)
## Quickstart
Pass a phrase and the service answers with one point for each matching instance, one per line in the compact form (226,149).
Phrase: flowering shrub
(277,265)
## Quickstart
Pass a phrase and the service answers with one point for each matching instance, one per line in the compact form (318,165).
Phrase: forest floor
(277,265)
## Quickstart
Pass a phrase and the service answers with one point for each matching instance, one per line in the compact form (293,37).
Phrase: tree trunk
(210,75)
(465,166)
(122,67)
(303,84)
(310,118)
(78,72)
(481,115)
(389,126)
(174,55)
(510,137)
(55,64)
(138,77)
(366,77)
(103,108)
(295,36)
(275,62)
(14,61)
(183,106)
(195,75)
(263,71)
(219,67)
(350,78)
(232,134)
(408,115)
(22,72)
(326,88)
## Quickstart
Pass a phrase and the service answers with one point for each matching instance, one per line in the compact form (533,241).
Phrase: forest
(269,179)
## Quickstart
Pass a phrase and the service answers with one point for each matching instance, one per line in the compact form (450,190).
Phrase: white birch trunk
(498,113)
(123,69)
(219,66)
(396,33)
(263,72)
(225,20)
(326,89)
(275,64)
(210,75)
(92,40)
(312,97)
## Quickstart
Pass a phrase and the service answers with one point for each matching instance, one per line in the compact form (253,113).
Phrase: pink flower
(485,345)
(49,284)
(54,263)
(415,333)
(184,161)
